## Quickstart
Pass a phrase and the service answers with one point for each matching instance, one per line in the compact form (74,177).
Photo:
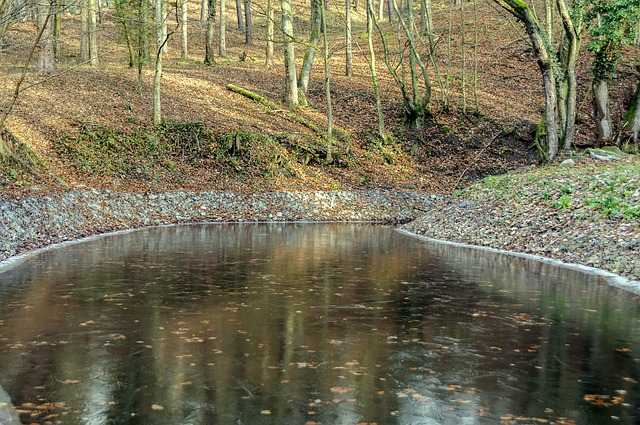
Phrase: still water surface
(309,324)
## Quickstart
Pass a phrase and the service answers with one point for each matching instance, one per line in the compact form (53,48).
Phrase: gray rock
(568,163)
(8,415)
(609,153)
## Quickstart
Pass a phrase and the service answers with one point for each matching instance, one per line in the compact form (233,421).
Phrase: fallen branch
(274,108)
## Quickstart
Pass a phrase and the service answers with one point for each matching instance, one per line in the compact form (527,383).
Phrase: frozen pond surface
(309,324)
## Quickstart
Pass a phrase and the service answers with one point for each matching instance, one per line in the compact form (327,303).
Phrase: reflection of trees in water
(350,322)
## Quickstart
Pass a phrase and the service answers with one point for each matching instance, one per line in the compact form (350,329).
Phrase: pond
(311,324)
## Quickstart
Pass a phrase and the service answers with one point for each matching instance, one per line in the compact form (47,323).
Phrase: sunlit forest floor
(490,132)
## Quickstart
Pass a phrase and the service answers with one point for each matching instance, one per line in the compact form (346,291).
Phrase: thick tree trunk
(84,31)
(601,111)
(184,47)
(209,46)
(291,83)
(307,61)
(93,32)
(204,10)
(239,15)
(46,59)
(248,23)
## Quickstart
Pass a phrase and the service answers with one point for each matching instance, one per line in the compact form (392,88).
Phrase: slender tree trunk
(601,111)
(270,33)
(165,32)
(204,10)
(348,40)
(548,13)
(372,67)
(381,9)
(239,15)
(158,20)
(307,62)
(184,48)
(248,28)
(572,52)
(327,86)
(223,29)
(463,53)
(291,84)
(209,47)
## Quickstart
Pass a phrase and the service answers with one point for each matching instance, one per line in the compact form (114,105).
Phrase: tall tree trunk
(165,32)
(204,11)
(158,20)
(327,85)
(184,46)
(372,66)
(544,57)
(270,34)
(601,111)
(248,27)
(93,32)
(307,61)
(239,15)
(348,40)
(223,29)
(572,32)
(209,46)
(84,31)
(291,84)
(46,59)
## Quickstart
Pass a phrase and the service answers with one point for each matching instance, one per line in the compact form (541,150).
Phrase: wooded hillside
(84,115)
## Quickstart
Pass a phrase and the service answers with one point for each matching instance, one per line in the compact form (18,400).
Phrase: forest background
(458,91)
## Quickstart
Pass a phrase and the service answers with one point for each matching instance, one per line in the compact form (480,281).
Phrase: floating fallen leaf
(70,381)
(157,407)
(265,412)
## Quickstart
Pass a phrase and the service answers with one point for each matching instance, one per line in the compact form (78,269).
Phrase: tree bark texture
(222,42)
(270,34)
(291,83)
(309,54)
(209,46)
(544,58)
(184,48)
(239,15)
(158,19)
(46,59)
(601,110)
(248,23)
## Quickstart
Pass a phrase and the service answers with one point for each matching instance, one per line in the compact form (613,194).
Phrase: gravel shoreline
(38,221)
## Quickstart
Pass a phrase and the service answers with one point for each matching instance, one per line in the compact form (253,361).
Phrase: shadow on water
(311,323)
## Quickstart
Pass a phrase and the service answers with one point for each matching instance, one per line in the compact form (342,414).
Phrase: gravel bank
(37,221)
